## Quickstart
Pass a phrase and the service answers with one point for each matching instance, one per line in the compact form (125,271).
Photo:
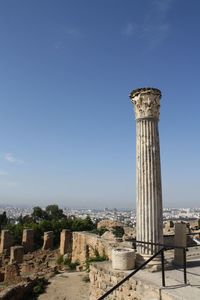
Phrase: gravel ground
(67,286)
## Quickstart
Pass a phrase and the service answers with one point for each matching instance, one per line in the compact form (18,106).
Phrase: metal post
(184,265)
(163,266)
(129,276)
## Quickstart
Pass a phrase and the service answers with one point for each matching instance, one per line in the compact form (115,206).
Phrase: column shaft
(148,188)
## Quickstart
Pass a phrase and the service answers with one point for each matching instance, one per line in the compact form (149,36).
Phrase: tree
(86,224)
(39,214)
(3,220)
(54,212)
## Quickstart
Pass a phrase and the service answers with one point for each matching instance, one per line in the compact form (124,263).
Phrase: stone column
(149,222)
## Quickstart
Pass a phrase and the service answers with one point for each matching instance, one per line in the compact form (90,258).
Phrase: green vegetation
(3,220)
(59,260)
(118,231)
(50,219)
(67,262)
(96,258)
(99,231)
(40,287)
(72,265)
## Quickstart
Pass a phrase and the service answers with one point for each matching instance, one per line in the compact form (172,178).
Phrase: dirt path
(67,286)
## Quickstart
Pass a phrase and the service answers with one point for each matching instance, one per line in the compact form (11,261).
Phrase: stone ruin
(20,264)
(48,240)
(65,242)
(28,240)
(6,242)
(109,224)
(81,246)
(13,256)
(16,254)
(12,273)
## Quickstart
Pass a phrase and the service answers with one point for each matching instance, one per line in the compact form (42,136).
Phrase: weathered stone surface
(109,224)
(129,233)
(16,254)
(181,241)
(48,240)
(28,240)
(27,268)
(6,241)
(86,245)
(12,273)
(103,277)
(149,223)
(40,261)
(108,235)
(65,242)
(123,259)
(146,103)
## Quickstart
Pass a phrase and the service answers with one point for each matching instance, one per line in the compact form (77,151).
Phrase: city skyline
(67,125)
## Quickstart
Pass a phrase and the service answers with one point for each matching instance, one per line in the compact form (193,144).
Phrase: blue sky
(67,126)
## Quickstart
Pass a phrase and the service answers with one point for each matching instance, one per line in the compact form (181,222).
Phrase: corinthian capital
(146,102)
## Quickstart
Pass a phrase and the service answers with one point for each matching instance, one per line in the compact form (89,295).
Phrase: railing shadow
(160,252)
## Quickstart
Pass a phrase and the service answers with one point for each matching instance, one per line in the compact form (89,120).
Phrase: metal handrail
(169,247)
(161,251)
(159,244)
(131,274)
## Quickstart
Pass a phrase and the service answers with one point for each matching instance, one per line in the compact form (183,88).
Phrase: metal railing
(169,247)
(160,252)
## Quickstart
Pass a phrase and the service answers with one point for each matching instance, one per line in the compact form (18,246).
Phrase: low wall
(86,245)
(103,277)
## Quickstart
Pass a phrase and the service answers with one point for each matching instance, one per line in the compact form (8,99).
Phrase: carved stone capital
(146,103)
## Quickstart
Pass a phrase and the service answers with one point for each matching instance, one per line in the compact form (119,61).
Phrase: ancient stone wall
(65,242)
(87,245)
(103,277)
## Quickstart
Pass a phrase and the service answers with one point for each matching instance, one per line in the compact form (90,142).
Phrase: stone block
(28,240)
(6,241)
(48,240)
(12,273)
(27,268)
(65,242)
(16,254)
(181,241)
(123,258)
